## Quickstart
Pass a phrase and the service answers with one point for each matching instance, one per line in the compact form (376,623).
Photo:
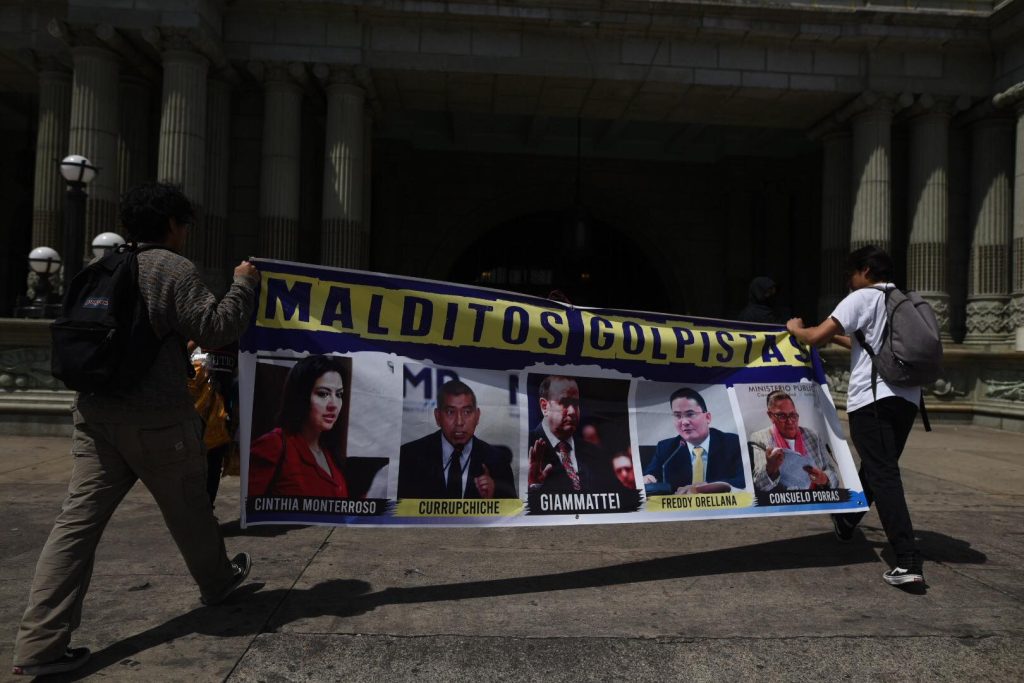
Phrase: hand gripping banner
(385,400)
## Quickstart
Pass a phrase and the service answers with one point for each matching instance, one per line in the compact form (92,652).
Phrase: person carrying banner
(785,432)
(453,462)
(149,431)
(700,459)
(303,455)
(559,462)
(879,424)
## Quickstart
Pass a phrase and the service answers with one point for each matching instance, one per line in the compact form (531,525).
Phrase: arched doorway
(592,262)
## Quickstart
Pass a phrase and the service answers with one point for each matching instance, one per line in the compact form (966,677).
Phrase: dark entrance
(593,263)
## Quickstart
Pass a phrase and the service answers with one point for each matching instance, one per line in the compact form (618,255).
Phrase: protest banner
(383,400)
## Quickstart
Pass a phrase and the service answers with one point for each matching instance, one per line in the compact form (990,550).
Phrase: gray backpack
(910,352)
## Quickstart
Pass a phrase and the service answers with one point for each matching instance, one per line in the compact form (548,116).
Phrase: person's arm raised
(819,335)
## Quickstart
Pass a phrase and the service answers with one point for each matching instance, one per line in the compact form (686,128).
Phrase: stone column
(93,133)
(218,135)
(51,147)
(835,219)
(344,237)
(182,154)
(133,153)
(991,211)
(368,124)
(928,211)
(279,174)
(1017,303)
(958,253)
(872,187)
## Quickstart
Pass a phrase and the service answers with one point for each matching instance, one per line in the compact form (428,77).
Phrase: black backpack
(103,341)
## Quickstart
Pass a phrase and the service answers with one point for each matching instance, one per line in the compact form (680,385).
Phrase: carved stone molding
(986,318)
(946,389)
(939,304)
(838,379)
(974,381)
(169,39)
(129,54)
(26,368)
(1006,390)
(1011,97)
(1016,314)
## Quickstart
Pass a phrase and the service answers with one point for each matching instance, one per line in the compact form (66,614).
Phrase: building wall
(244,195)
(705,229)
(17,170)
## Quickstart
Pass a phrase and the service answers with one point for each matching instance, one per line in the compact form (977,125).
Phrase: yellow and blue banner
(375,399)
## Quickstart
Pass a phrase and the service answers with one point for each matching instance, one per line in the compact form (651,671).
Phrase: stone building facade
(653,155)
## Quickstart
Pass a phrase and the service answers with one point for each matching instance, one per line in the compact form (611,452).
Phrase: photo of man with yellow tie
(700,459)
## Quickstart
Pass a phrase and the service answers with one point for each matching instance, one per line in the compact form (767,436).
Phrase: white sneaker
(898,576)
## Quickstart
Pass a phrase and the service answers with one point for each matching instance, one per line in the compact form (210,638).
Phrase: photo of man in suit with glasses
(700,459)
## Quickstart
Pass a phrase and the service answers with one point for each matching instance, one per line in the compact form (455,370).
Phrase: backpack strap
(862,340)
(859,334)
(280,464)
(139,247)
(924,414)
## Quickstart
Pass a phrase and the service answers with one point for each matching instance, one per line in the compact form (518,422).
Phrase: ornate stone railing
(978,386)
(31,400)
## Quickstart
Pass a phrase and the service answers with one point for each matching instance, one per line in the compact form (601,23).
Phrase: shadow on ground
(234,529)
(252,611)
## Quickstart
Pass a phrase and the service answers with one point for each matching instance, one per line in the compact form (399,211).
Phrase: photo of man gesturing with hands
(452,462)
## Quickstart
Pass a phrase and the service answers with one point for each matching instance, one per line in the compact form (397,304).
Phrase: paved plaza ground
(754,599)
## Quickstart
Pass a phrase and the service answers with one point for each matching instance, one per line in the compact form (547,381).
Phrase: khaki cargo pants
(108,459)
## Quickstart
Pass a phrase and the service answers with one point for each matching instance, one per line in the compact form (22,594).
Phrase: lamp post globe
(75,168)
(78,172)
(105,242)
(44,260)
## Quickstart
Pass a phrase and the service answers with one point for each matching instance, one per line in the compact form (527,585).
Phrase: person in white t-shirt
(880,420)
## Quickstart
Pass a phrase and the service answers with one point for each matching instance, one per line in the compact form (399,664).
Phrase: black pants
(880,441)
(214,462)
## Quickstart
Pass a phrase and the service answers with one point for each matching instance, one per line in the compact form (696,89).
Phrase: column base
(987,320)
(940,304)
(1015,319)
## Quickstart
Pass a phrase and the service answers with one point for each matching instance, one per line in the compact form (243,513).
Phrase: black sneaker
(73,658)
(240,564)
(898,576)
(843,529)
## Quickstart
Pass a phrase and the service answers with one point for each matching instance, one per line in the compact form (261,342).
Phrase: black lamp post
(78,172)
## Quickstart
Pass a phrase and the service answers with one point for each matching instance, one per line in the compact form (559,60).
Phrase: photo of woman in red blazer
(302,456)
